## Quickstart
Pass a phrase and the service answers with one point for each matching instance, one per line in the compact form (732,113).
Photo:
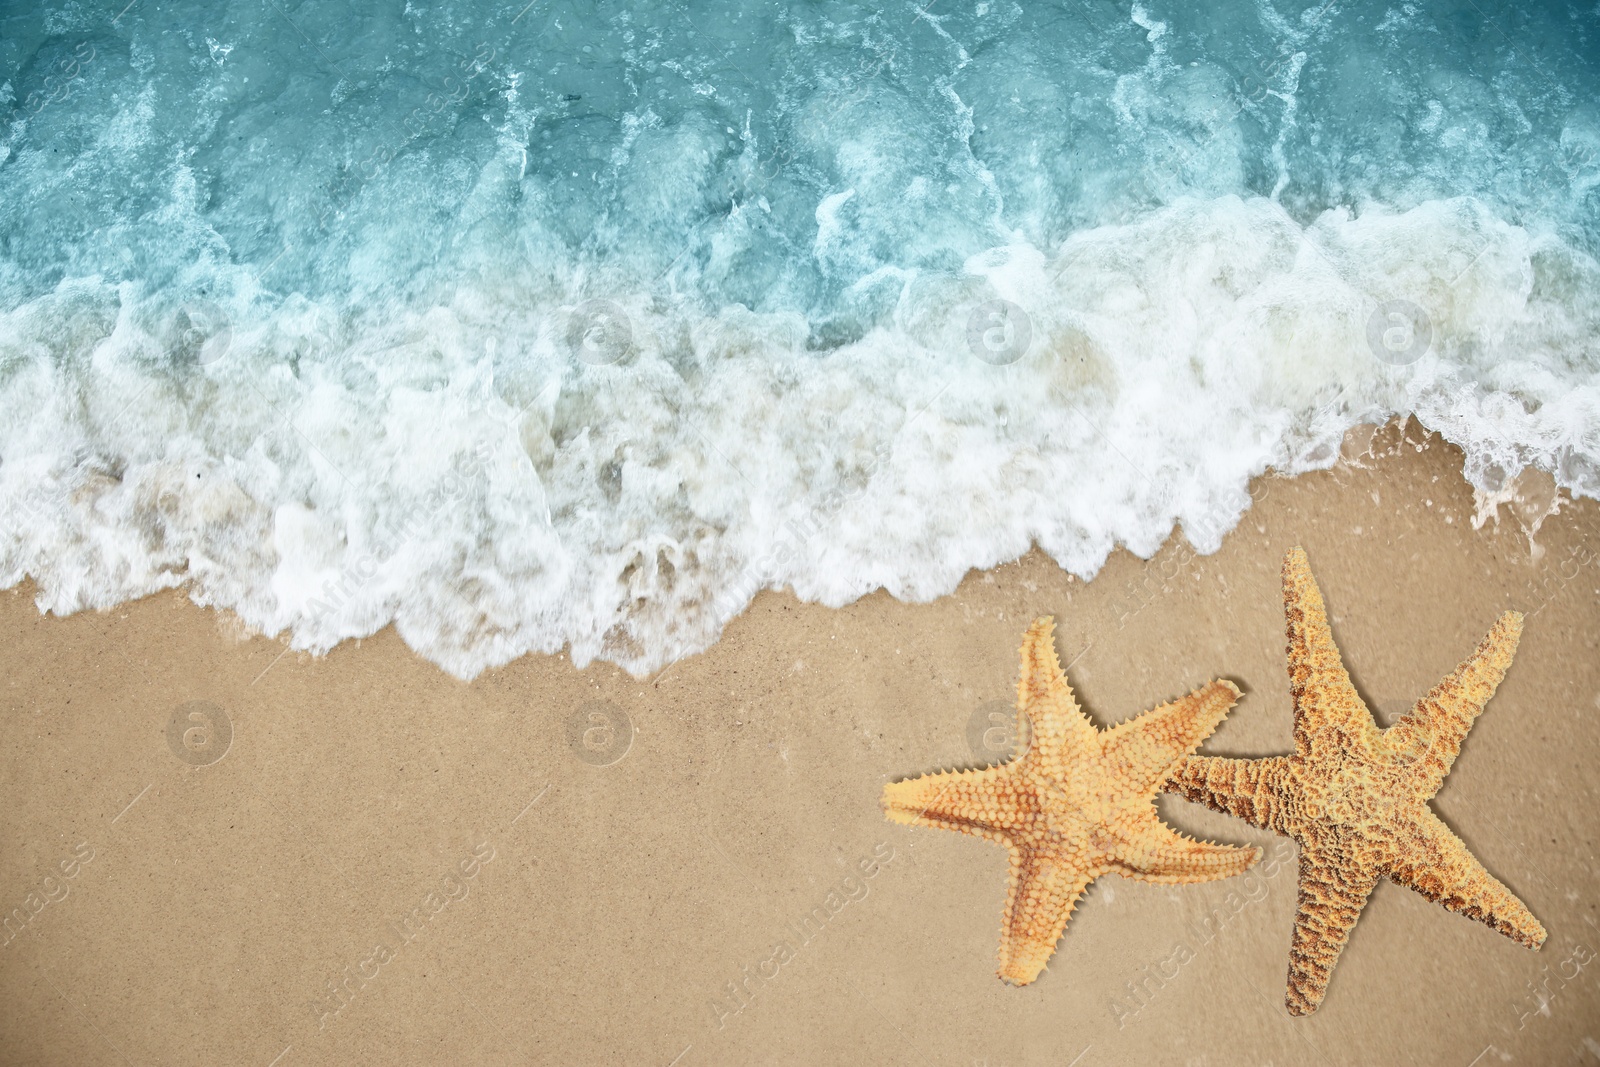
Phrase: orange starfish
(1356,797)
(1078,803)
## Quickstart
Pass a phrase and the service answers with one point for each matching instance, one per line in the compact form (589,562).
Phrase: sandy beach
(219,850)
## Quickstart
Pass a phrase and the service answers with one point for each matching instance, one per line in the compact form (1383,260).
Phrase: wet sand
(217,850)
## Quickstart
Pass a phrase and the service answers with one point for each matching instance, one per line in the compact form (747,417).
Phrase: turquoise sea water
(576,324)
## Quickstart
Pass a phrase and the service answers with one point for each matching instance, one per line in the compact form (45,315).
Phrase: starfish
(1355,797)
(1078,803)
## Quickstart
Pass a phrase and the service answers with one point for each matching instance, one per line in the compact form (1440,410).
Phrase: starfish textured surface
(1355,797)
(1078,803)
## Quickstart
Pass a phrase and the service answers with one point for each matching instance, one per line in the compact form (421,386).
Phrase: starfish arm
(1331,899)
(1047,713)
(985,803)
(1147,748)
(1255,790)
(1166,856)
(1432,732)
(1439,867)
(1039,901)
(1324,699)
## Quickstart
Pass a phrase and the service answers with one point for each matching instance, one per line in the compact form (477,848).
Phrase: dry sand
(387,865)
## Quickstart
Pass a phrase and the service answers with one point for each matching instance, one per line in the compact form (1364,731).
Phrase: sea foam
(483,476)
(575,329)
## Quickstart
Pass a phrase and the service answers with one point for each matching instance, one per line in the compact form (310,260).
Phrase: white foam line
(305,545)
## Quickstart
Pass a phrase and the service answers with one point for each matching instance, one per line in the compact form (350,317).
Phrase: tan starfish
(1356,797)
(1078,803)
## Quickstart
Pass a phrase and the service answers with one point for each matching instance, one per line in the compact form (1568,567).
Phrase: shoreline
(653,838)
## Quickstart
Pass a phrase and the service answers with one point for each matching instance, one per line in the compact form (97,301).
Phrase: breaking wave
(576,328)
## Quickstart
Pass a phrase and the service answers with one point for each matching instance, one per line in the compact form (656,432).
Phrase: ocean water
(575,324)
